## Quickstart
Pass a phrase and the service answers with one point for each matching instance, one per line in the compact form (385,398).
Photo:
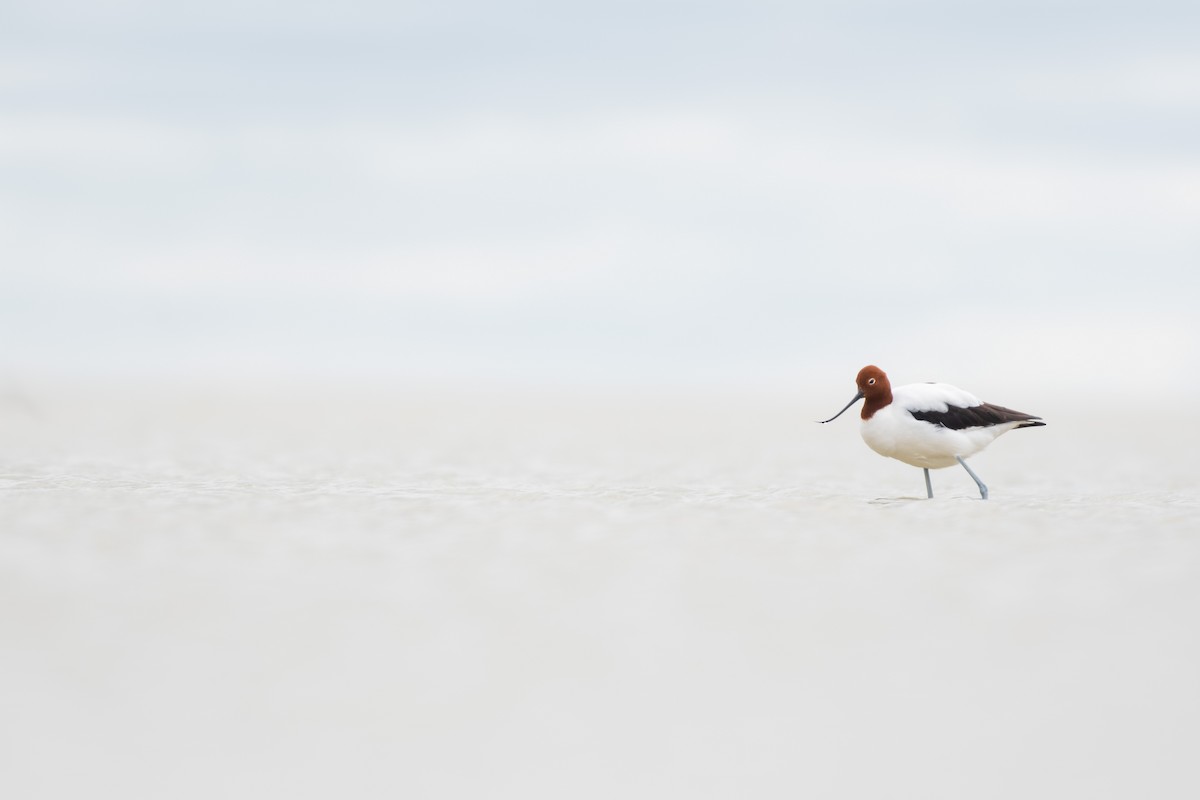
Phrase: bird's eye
(871,382)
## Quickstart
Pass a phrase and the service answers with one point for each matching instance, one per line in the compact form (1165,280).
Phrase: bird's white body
(892,431)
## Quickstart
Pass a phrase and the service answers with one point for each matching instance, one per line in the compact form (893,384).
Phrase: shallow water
(373,592)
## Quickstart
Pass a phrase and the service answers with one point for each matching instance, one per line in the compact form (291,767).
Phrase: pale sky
(719,193)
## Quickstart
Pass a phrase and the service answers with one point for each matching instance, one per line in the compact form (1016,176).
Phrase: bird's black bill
(858,396)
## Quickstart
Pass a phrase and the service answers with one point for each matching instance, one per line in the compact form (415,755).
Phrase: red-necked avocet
(930,425)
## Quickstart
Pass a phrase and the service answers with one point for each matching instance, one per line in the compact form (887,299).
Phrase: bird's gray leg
(971,472)
(928,485)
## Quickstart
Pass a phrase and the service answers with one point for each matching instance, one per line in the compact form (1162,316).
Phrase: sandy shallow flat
(375,592)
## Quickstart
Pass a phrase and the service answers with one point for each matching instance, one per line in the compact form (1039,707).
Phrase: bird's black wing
(985,415)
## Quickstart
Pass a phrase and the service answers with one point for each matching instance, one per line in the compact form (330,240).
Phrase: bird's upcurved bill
(858,396)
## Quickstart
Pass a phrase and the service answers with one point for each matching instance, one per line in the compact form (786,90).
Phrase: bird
(930,425)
